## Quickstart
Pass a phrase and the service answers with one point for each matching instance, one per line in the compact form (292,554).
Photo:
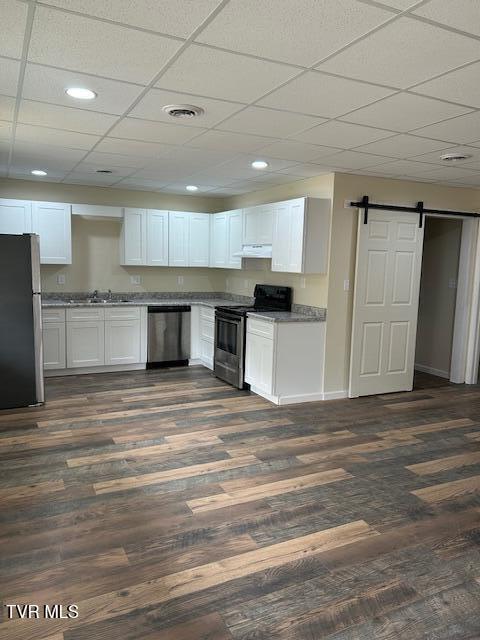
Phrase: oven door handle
(230,319)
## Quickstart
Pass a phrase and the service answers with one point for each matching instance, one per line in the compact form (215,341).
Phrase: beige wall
(310,289)
(343,251)
(96,265)
(436,312)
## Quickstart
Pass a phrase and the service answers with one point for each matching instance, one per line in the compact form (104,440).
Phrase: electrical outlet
(346,285)
(61,278)
(136,280)
(180,279)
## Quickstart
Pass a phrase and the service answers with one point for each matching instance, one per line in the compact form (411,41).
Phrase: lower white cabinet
(122,342)
(284,361)
(85,343)
(54,353)
(207,334)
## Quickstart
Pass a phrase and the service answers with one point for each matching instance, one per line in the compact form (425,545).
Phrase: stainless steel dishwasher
(168,335)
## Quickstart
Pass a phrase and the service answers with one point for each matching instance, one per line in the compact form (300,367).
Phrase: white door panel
(387,283)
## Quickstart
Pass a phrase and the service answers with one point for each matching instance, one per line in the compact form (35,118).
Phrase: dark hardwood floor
(170,506)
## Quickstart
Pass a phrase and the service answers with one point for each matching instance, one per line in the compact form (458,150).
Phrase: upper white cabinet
(199,240)
(52,222)
(157,238)
(15,216)
(226,239)
(301,235)
(258,224)
(133,241)
(178,238)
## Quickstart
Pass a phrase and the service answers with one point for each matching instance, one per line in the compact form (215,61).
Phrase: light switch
(61,278)
(136,280)
(180,279)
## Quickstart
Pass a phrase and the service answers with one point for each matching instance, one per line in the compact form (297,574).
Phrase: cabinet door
(296,236)
(54,356)
(206,353)
(234,236)
(281,237)
(157,238)
(258,225)
(85,343)
(52,222)
(199,240)
(15,216)
(122,342)
(259,362)
(178,239)
(219,240)
(134,250)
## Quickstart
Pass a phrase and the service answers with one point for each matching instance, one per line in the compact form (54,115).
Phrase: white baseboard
(434,372)
(335,395)
(53,373)
(304,397)
(299,398)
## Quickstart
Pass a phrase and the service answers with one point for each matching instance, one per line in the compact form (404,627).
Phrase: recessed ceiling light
(184,111)
(454,157)
(80,93)
(191,187)
(104,171)
(38,172)
(259,164)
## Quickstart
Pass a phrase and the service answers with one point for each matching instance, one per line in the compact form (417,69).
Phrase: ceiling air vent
(103,171)
(454,157)
(183,110)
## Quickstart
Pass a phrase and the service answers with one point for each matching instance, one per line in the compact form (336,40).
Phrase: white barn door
(385,308)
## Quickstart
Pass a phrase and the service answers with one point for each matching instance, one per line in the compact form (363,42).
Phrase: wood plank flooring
(169,506)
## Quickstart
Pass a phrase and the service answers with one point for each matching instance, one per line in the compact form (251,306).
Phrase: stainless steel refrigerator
(21,358)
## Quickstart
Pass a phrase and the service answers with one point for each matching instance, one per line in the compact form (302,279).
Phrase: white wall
(436,313)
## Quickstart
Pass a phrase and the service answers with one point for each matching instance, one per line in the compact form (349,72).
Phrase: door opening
(438,294)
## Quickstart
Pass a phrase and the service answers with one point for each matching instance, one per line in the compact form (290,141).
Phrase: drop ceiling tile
(91,46)
(5,130)
(107,160)
(403,146)
(228,191)
(461,14)
(306,170)
(226,140)
(342,135)
(179,187)
(92,168)
(323,95)
(472,181)
(201,158)
(14,20)
(299,151)
(178,19)
(55,116)
(404,112)
(9,70)
(461,130)
(353,160)
(289,31)
(276,178)
(240,168)
(224,75)
(48,85)
(209,179)
(150,108)
(403,53)
(47,157)
(132,147)
(135,129)
(57,137)
(434,157)
(7,106)
(269,122)
(402,168)
(448,173)
(458,86)
(77,177)
(399,4)
(139,184)
(22,173)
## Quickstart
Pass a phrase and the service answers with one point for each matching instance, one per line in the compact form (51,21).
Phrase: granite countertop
(208,302)
(285,316)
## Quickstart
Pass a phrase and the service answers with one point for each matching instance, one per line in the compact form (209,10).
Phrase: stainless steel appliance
(168,335)
(231,330)
(21,355)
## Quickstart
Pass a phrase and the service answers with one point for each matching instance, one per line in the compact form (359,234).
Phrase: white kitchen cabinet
(122,342)
(52,222)
(207,333)
(85,343)
(199,240)
(133,241)
(301,232)
(15,216)
(157,238)
(258,224)
(284,361)
(226,239)
(178,238)
(54,347)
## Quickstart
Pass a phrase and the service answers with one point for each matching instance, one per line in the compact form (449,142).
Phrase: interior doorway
(438,295)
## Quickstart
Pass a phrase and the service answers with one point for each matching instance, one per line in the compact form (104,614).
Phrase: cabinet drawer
(53,315)
(85,313)
(207,329)
(207,312)
(260,328)
(122,313)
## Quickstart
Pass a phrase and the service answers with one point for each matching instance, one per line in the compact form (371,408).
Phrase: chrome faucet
(94,295)
(109,295)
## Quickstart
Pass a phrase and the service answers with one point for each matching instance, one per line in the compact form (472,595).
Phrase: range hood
(255,251)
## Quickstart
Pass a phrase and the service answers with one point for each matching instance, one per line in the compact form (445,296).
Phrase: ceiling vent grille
(183,110)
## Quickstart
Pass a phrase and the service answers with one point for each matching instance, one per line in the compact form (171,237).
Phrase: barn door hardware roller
(366,205)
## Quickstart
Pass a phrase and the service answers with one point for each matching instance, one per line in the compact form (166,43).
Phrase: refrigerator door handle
(35,256)
(38,345)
